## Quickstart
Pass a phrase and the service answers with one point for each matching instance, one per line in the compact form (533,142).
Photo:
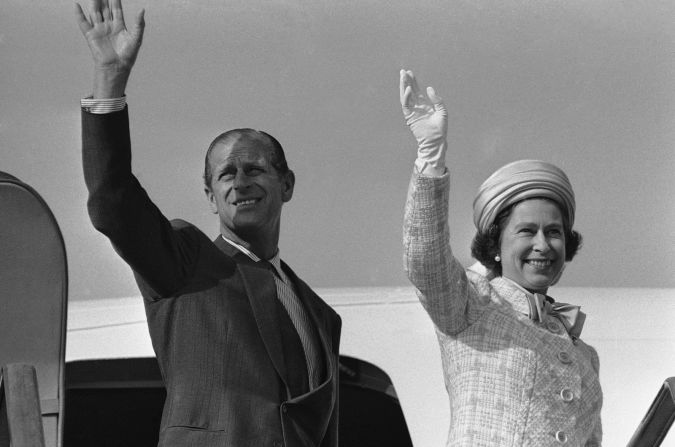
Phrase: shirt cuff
(102,106)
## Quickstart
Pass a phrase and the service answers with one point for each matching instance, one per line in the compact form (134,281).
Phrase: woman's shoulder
(479,278)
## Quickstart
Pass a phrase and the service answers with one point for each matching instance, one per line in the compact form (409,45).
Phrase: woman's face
(532,244)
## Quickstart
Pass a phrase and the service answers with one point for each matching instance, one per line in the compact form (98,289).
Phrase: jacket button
(552,326)
(561,437)
(564,357)
(567,395)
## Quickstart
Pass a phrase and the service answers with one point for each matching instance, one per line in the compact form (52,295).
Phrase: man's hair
(277,159)
(486,246)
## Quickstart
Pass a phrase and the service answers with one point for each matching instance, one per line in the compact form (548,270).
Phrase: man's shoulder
(190,231)
(184,226)
(180,224)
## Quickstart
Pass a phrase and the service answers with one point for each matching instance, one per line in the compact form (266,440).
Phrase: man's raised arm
(118,205)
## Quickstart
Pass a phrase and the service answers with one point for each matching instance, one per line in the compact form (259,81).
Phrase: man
(249,354)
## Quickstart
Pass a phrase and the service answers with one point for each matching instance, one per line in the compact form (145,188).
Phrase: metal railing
(20,415)
(655,425)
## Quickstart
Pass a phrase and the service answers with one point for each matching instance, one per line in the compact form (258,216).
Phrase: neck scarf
(569,315)
(540,306)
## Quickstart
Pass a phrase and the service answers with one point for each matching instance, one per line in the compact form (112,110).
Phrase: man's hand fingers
(105,11)
(139,26)
(95,7)
(82,21)
(117,12)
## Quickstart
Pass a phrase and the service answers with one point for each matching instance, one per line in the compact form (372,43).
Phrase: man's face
(246,191)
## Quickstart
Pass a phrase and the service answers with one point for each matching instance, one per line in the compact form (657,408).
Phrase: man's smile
(245,202)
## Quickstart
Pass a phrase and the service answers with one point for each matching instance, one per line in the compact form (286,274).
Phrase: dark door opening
(119,403)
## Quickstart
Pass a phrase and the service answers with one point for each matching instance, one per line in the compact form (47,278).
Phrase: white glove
(427,118)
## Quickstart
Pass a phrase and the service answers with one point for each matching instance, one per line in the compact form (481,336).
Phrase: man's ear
(212,200)
(288,183)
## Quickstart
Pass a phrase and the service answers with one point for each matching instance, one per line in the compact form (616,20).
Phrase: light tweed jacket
(511,381)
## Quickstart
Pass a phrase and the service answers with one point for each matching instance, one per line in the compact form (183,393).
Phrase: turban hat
(521,180)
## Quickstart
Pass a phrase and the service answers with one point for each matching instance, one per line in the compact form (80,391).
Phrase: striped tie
(303,325)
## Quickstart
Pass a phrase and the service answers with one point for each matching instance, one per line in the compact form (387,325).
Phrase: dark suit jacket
(233,365)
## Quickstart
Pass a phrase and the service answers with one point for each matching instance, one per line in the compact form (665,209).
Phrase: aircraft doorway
(118,402)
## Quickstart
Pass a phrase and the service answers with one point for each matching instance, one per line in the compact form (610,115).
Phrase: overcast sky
(588,85)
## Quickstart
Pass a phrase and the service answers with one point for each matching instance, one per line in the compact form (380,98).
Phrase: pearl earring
(498,258)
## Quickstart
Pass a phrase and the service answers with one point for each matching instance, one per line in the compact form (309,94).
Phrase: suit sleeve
(440,280)
(120,208)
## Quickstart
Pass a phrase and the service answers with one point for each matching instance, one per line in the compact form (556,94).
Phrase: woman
(516,372)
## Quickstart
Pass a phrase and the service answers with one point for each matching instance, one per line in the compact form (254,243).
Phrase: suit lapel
(274,325)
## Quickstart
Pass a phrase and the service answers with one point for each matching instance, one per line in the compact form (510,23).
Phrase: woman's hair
(486,245)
